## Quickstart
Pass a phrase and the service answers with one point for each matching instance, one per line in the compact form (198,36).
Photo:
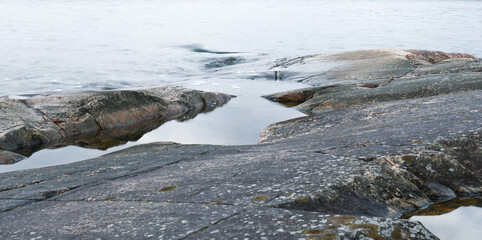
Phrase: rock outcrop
(30,124)
(7,157)
(344,174)
(349,173)
(363,77)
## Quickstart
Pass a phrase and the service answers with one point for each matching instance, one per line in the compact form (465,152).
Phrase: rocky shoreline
(372,76)
(95,119)
(399,130)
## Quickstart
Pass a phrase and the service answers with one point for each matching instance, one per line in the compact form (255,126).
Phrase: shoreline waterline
(60,47)
(249,114)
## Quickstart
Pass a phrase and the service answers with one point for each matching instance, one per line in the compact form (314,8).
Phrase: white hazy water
(74,45)
(49,46)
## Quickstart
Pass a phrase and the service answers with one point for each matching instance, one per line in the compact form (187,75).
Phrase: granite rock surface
(348,174)
(403,132)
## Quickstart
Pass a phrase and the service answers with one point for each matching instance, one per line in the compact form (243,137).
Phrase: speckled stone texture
(347,174)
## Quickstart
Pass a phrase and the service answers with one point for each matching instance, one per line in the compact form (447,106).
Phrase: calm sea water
(50,46)
(75,45)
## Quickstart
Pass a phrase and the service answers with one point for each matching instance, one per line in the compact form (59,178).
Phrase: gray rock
(366,164)
(110,220)
(8,204)
(364,77)
(273,223)
(160,220)
(410,135)
(439,191)
(7,157)
(30,124)
(369,65)
(405,131)
(16,134)
(333,97)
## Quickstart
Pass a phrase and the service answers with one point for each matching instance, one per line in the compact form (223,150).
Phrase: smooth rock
(39,122)
(439,191)
(333,97)
(369,65)
(404,131)
(364,77)
(366,164)
(7,157)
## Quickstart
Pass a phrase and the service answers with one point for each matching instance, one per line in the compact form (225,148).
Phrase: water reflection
(446,206)
(95,45)
(106,139)
(461,224)
(240,121)
(457,219)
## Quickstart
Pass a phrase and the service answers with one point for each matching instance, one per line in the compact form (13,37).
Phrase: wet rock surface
(349,173)
(96,119)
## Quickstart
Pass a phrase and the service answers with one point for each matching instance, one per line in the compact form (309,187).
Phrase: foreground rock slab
(30,124)
(347,174)
(152,220)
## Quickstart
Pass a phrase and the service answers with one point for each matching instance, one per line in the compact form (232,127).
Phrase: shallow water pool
(61,46)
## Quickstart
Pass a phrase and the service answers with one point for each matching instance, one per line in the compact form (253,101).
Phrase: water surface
(62,46)
(66,45)
(458,218)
